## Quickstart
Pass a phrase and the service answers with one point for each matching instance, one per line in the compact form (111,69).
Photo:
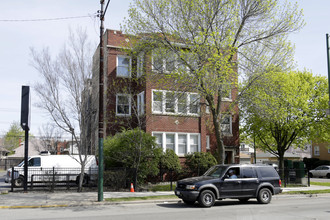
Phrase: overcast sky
(19,33)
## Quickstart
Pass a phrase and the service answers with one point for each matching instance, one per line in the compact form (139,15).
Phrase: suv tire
(206,198)
(264,196)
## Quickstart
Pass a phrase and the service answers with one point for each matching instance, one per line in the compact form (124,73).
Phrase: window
(226,91)
(317,151)
(159,140)
(194,103)
(208,142)
(165,61)
(267,172)
(170,141)
(123,66)
(157,101)
(180,143)
(123,104)
(248,172)
(329,150)
(226,127)
(168,102)
(34,162)
(193,143)
(140,63)
(140,103)
(182,103)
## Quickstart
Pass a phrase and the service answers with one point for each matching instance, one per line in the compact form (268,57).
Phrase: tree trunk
(220,146)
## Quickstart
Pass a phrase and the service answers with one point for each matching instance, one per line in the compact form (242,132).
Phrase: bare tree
(61,85)
(49,137)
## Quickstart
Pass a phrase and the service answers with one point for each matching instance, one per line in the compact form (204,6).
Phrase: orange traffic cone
(132,188)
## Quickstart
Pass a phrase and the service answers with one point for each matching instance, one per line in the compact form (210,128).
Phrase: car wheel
(188,202)
(328,175)
(264,196)
(243,200)
(310,175)
(19,182)
(206,198)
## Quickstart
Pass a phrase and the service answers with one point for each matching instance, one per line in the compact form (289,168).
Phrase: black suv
(230,181)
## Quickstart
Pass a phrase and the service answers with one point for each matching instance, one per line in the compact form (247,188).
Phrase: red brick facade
(170,127)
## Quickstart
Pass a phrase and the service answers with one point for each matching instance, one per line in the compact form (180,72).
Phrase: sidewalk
(65,199)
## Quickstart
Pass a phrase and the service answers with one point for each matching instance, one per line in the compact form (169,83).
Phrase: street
(281,207)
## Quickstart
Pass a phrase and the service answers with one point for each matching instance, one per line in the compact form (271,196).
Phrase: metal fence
(120,179)
(49,178)
(294,176)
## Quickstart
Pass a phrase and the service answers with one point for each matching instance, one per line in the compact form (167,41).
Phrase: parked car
(230,181)
(42,167)
(320,171)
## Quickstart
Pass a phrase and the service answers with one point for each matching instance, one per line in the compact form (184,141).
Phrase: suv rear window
(267,172)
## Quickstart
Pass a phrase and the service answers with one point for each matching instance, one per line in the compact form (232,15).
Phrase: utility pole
(327,41)
(101,93)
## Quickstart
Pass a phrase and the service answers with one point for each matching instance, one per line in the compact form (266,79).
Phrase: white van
(43,168)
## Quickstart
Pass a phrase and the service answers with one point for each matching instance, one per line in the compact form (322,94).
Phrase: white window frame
(227,86)
(129,103)
(230,125)
(176,102)
(176,141)
(129,66)
(140,65)
(208,147)
(317,150)
(140,103)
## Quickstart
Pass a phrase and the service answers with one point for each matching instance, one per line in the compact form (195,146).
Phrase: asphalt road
(282,207)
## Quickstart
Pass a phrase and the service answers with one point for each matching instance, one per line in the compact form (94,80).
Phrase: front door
(231,184)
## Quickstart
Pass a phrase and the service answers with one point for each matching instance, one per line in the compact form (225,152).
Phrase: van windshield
(21,164)
(216,171)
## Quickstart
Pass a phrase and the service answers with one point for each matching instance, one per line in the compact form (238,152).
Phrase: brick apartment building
(133,98)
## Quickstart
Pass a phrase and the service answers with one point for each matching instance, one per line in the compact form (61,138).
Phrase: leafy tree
(199,41)
(285,109)
(13,137)
(169,161)
(200,162)
(132,149)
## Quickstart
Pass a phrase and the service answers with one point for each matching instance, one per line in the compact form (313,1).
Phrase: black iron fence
(120,179)
(50,178)
(294,176)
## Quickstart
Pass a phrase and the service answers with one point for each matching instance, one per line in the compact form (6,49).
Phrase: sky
(23,25)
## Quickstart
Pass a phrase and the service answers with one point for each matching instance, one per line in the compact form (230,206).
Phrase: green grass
(309,192)
(320,184)
(140,198)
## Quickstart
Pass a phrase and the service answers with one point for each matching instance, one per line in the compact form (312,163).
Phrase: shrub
(199,162)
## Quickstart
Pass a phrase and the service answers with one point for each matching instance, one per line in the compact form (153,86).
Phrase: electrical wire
(46,19)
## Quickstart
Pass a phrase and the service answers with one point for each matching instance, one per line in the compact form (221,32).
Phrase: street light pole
(101,92)
(328,62)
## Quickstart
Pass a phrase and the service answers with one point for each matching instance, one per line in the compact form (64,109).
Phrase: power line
(46,19)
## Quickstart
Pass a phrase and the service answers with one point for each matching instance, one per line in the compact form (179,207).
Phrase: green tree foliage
(169,161)
(13,137)
(132,149)
(195,42)
(284,109)
(200,162)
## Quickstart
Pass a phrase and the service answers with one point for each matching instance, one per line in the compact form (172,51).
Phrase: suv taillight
(280,182)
